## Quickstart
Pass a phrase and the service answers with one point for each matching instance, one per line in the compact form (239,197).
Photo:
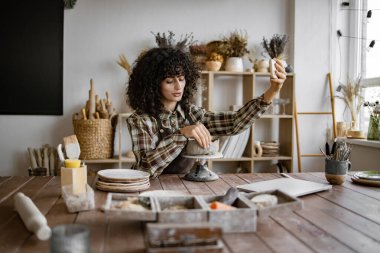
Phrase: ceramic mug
(335,171)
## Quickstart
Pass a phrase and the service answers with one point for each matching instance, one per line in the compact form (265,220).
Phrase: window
(370,57)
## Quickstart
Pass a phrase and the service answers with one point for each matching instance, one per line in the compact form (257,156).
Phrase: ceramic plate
(101,182)
(370,175)
(122,189)
(124,175)
(358,180)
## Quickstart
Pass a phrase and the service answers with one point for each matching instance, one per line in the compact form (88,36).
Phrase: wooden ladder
(332,113)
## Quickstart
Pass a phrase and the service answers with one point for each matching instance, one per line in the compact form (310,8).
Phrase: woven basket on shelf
(95,138)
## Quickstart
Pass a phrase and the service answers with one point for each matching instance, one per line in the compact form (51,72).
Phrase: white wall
(97,31)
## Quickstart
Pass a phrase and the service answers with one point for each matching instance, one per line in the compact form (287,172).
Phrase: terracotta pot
(213,65)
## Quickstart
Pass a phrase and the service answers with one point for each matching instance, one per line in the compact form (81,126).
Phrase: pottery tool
(103,112)
(33,219)
(32,157)
(230,196)
(60,153)
(52,161)
(72,147)
(109,104)
(45,160)
(92,104)
(84,113)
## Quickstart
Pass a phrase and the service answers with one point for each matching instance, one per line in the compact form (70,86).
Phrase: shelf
(232,73)
(232,159)
(250,85)
(270,158)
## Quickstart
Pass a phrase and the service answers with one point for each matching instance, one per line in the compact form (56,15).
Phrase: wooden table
(345,219)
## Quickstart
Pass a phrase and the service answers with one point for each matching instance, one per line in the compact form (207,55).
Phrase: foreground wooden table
(345,219)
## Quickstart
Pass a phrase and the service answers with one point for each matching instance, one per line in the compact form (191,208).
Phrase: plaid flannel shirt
(154,154)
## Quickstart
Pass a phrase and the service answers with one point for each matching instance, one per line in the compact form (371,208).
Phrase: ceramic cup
(335,171)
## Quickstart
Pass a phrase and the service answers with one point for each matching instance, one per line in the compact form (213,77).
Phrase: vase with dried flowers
(275,48)
(214,61)
(185,41)
(199,54)
(350,94)
(233,48)
(374,120)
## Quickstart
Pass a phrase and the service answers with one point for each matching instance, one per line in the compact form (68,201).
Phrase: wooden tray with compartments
(195,237)
(285,202)
(169,209)
(117,204)
(241,219)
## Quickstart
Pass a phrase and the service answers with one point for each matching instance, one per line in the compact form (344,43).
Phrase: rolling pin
(92,103)
(33,219)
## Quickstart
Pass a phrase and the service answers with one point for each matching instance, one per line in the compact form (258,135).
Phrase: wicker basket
(95,138)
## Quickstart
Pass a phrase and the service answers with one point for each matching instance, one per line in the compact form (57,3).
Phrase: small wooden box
(195,212)
(241,219)
(285,202)
(196,237)
(115,199)
(76,177)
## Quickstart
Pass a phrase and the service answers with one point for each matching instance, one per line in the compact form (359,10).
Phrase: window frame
(357,60)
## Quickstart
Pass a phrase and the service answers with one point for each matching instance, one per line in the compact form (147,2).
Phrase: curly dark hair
(150,69)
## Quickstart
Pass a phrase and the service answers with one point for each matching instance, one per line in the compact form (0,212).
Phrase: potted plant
(214,62)
(275,48)
(374,120)
(350,94)
(163,41)
(234,47)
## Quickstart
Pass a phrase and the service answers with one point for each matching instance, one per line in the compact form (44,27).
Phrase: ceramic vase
(234,64)
(262,66)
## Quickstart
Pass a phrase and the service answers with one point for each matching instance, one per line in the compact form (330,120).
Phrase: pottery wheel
(200,172)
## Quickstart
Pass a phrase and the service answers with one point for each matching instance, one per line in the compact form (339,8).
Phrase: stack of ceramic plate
(122,180)
(367,177)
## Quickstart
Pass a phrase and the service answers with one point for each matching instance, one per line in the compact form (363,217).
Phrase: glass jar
(374,127)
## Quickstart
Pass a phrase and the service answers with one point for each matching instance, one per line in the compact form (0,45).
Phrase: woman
(160,90)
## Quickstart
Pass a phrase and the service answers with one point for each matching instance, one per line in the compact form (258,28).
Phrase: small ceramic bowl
(193,148)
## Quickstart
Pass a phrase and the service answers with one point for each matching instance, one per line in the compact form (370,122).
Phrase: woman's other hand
(275,83)
(198,132)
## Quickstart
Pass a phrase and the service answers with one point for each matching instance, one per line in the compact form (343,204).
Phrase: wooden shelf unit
(285,126)
(248,160)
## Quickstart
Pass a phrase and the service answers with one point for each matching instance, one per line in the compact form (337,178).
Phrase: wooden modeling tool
(92,103)
(72,147)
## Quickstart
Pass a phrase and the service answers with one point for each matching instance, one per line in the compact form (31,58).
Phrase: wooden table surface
(345,219)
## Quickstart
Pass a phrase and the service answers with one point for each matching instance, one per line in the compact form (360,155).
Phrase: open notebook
(291,186)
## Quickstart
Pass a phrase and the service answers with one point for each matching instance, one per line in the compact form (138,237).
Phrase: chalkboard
(31,57)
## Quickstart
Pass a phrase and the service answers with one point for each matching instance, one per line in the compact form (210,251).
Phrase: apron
(180,164)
